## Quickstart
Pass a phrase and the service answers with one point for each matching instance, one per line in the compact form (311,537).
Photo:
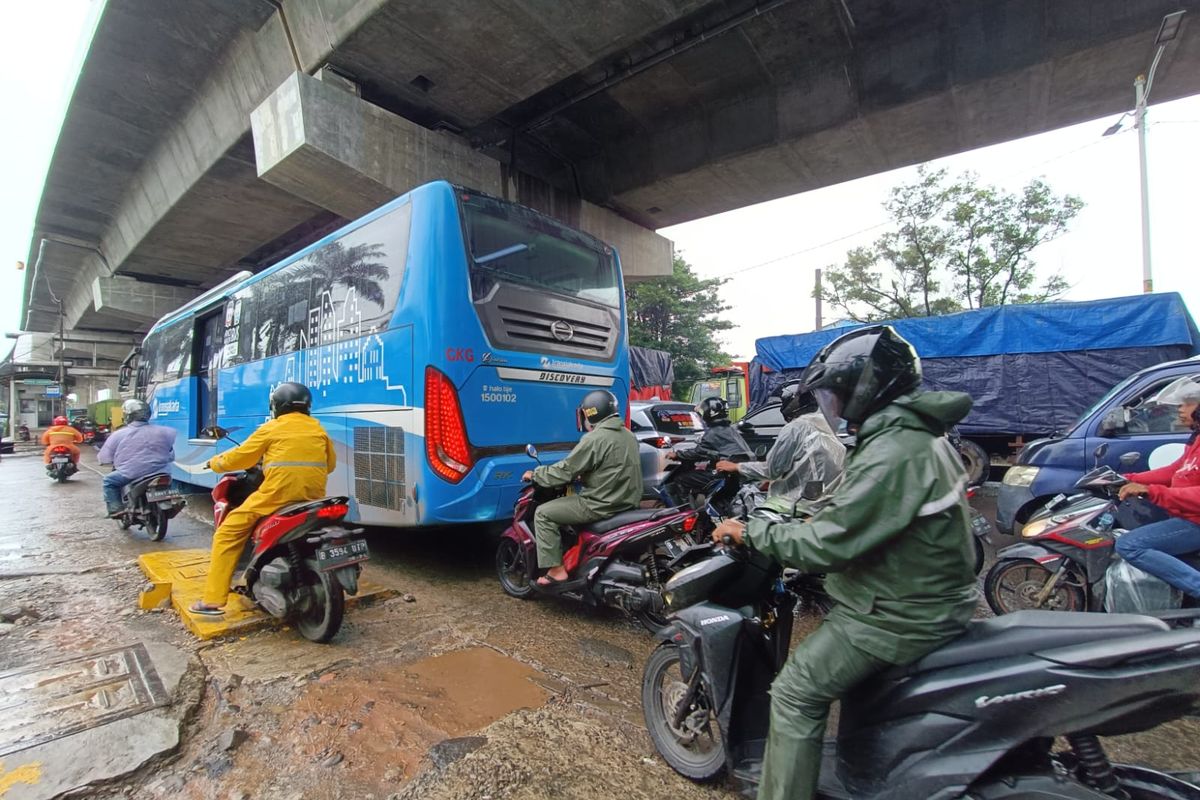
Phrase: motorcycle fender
(688,642)
(717,635)
(348,578)
(1036,552)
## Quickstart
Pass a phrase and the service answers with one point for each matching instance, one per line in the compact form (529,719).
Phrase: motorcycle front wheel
(326,608)
(511,569)
(694,748)
(1014,585)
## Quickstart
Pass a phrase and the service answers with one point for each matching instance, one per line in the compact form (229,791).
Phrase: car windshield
(509,243)
(676,419)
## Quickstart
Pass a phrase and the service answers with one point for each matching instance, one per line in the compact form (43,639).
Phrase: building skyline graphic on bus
(334,351)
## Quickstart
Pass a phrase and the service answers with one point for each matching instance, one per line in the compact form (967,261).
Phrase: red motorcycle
(304,558)
(622,562)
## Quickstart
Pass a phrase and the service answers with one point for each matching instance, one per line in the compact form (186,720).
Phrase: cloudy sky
(769,250)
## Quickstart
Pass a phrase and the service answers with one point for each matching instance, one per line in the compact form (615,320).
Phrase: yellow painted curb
(180,575)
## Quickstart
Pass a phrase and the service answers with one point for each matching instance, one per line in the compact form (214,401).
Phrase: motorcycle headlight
(1036,528)
(1020,475)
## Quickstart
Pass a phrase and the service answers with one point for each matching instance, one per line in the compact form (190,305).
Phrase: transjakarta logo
(711,620)
(1032,694)
(552,363)
(166,407)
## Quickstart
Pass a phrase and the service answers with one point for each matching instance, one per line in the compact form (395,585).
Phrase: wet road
(449,689)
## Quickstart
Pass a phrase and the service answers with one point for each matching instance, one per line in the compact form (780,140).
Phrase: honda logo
(562,330)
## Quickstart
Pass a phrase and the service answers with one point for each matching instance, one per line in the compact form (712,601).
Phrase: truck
(730,382)
(1032,370)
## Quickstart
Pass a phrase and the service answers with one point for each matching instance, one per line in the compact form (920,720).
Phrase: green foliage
(955,246)
(682,315)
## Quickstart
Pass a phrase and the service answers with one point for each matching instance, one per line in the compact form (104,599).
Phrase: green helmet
(858,374)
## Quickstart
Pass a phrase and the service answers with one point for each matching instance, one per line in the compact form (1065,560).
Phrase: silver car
(659,425)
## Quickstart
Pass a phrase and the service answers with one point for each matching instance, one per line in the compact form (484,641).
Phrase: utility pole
(1139,93)
(62,366)
(817,295)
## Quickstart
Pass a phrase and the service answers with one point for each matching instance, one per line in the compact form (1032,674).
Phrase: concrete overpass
(217,135)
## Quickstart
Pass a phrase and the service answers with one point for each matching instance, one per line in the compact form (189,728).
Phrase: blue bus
(439,334)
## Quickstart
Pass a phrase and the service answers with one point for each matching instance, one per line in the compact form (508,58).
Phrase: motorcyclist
(1175,489)
(136,450)
(297,456)
(62,434)
(894,542)
(721,441)
(606,462)
(807,450)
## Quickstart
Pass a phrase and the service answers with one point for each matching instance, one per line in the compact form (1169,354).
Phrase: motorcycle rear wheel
(663,686)
(324,616)
(156,524)
(512,570)
(1013,585)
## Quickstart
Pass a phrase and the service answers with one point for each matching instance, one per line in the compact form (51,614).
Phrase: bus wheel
(512,570)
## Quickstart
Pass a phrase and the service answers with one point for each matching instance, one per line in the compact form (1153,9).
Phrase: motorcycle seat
(138,487)
(622,519)
(1025,632)
(303,505)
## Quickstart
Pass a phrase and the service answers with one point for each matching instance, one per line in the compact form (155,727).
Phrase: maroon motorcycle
(622,562)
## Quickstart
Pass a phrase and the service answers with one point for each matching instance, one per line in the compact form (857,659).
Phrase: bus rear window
(511,244)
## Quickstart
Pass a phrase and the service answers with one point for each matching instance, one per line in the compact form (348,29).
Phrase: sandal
(202,608)
(546,581)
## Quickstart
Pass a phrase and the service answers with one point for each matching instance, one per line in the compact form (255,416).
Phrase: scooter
(977,718)
(621,562)
(150,503)
(1066,549)
(303,560)
(62,465)
(719,492)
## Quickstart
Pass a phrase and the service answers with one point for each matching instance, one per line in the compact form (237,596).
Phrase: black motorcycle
(977,718)
(150,502)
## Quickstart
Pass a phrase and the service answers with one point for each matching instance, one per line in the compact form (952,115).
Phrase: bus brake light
(446,444)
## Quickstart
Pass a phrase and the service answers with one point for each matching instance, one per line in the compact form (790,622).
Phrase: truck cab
(730,384)
(1141,432)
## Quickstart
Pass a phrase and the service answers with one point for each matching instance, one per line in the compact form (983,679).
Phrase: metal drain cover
(45,702)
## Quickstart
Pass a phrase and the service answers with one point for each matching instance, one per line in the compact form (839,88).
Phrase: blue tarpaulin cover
(1030,368)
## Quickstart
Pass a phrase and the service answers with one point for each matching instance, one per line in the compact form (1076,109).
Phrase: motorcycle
(150,503)
(1066,550)
(720,490)
(621,562)
(304,559)
(62,465)
(976,718)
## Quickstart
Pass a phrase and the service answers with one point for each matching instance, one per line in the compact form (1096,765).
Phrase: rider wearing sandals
(893,540)
(606,462)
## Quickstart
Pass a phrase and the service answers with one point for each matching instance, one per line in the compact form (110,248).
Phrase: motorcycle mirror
(813,490)
(532,452)
(1129,459)
(215,432)
(760,451)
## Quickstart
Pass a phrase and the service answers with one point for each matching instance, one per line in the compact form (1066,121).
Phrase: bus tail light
(446,444)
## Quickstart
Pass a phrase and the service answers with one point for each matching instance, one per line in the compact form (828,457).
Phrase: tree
(955,246)
(681,315)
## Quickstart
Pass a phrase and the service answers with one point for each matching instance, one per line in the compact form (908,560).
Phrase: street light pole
(1139,88)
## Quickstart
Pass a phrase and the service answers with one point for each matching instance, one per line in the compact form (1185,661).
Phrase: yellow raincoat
(296,456)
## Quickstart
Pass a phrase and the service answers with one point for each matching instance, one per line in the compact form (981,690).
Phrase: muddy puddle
(374,726)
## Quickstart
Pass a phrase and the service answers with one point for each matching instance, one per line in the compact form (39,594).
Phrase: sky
(768,250)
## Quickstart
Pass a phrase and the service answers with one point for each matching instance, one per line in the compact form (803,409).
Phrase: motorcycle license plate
(336,556)
(980,524)
(60,459)
(160,494)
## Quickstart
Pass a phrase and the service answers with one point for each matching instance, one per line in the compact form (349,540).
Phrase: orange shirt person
(61,434)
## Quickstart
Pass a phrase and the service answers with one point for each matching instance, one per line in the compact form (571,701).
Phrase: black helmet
(712,409)
(859,373)
(796,400)
(134,410)
(596,407)
(290,396)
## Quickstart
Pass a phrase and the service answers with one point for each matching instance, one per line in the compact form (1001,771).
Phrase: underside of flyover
(653,111)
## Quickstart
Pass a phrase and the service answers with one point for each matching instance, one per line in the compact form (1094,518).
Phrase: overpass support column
(342,153)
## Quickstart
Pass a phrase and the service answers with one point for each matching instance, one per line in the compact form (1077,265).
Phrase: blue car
(1141,432)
